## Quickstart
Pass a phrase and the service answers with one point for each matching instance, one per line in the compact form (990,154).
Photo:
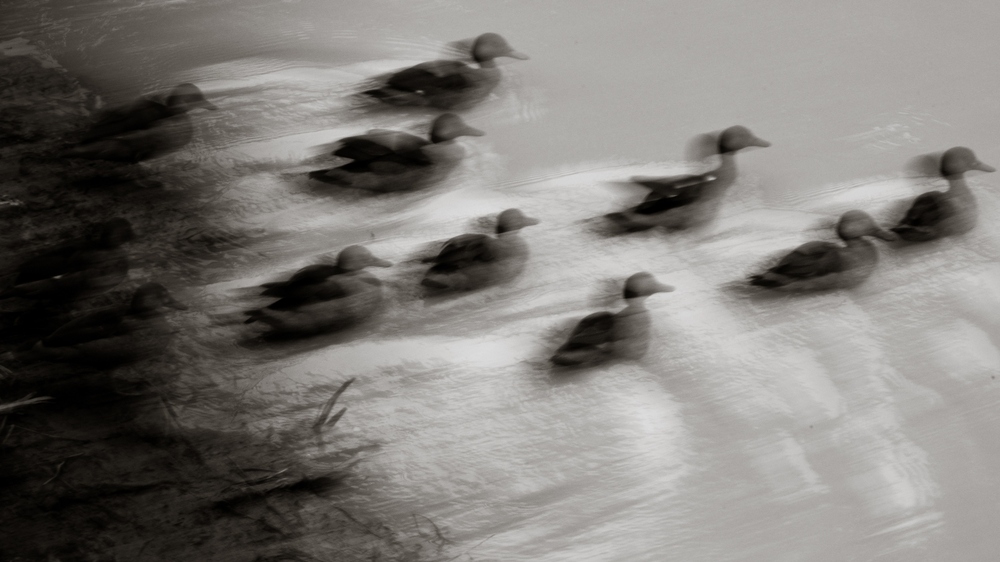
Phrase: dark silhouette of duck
(142,131)
(350,259)
(76,269)
(623,334)
(678,202)
(385,160)
(449,84)
(317,300)
(936,214)
(473,261)
(115,335)
(827,265)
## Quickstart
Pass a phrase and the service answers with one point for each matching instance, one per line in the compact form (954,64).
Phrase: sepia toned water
(856,425)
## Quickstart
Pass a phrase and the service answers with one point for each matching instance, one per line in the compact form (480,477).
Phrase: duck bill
(472,132)
(382,263)
(664,288)
(517,55)
(885,235)
(528,221)
(759,142)
(175,305)
(983,167)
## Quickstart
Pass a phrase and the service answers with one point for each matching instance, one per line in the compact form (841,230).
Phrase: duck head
(187,97)
(513,220)
(151,297)
(450,126)
(643,284)
(116,232)
(489,46)
(356,258)
(958,160)
(855,224)
(737,138)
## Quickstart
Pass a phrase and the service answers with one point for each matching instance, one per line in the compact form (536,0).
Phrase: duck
(76,269)
(449,84)
(115,335)
(473,261)
(350,259)
(144,113)
(385,160)
(310,307)
(145,131)
(937,214)
(679,202)
(826,265)
(623,334)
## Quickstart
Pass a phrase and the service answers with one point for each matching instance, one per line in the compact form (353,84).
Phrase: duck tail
(254,315)
(433,283)
(624,222)
(573,356)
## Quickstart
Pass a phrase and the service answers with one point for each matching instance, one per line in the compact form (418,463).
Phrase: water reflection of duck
(679,202)
(115,335)
(144,113)
(386,160)
(624,334)
(77,268)
(145,130)
(449,84)
(826,265)
(472,261)
(350,259)
(945,213)
(312,306)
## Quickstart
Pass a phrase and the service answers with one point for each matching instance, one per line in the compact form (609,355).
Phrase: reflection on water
(852,423)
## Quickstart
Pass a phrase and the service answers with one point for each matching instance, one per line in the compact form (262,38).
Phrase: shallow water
(855,425)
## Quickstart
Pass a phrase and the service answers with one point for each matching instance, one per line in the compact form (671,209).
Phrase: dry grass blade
(336,417)
(325,413)
(26,401)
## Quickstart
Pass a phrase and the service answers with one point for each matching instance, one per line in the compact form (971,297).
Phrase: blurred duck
(826,265)
(143,131)
(76,269)
(473,261)
(350,259)
(449,84)
(386,160)
(624,334)
(679,202)
(945,213)
(144,113)
(115,335)
(318,302)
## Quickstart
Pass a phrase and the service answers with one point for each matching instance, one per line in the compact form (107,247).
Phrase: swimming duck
(115,335)
(945,213)
(624,334)
(449,84)
(350,259)
(392,160)
(472,261)
(338,301)
(826,265)
(76,269)
(145,131)
(144,113)
(679,202)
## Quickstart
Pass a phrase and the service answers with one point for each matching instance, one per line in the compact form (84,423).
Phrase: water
(847,426)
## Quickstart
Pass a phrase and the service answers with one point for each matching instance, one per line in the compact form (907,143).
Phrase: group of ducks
(321,298)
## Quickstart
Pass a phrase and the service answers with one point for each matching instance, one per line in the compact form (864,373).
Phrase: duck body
(114,335)
(350,259)
(937,214)
(449,84)
(388,161)
(604,335)
(76,269)
(679,202)
(144,130)
(338,302)
(474,261)
(817,265)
